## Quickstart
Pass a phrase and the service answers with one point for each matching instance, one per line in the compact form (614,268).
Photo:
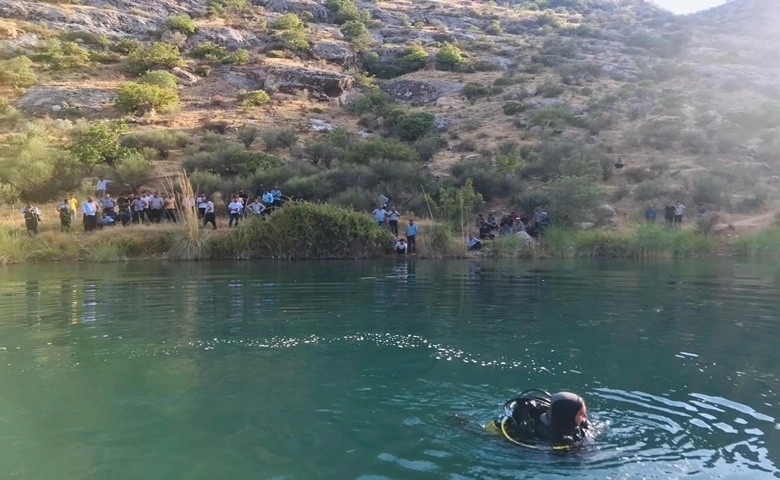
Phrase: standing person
(139,207)
(208,215)
(169,203)
(156,204)
(679,209)
(200,202)
(256,207)
(32,216)
(669,214)
(244,200)
(393,217)
(235,208)
(411,236)
(65,218)
(90,210)
(73,205)
(379,215)
(650,213)
(101,186)
(107,203)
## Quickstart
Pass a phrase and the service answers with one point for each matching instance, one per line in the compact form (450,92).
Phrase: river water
(385,370)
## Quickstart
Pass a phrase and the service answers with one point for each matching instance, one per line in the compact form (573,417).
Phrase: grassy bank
(303,230)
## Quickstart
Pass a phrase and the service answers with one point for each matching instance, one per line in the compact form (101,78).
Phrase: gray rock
(46,99)
(585,225)
(320,126)
(606,211)
(536,130)
(544,102)
(185,77)
(440,123)
(321,84)
(334,51)
(619,72)
(579,108)
(25,42)
(239,79)
(229,38)
(419,92)
(318,10)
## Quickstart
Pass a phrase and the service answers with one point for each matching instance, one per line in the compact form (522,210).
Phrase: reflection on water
(385,369)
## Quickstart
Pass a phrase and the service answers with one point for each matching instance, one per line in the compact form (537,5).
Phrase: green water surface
(385,370)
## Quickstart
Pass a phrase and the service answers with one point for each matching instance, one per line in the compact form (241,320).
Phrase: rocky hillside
(533,100)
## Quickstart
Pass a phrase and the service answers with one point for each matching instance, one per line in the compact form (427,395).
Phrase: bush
(322,152)
(381,149)
(512,108)
(181,23)
(150,57)
(159,78)
(409,126)
(280,138)
(373,101)
(133,170)
(345,10)
(428,145)
(9,194)
(58,55)
(474,91)
(572,199)
(255,99)
(486,178)
(554,117)
(238,57)
(223,7)
(139,98)
(708,188)
(98,143)
(248,134)
(17,72)
(209,50)
(448,57)
(289,21)
(163,141)
(411,59)
(294,40)
(494,28)
(227,158)
(550,88)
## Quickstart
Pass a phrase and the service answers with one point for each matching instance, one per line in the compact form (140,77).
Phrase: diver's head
(567,411)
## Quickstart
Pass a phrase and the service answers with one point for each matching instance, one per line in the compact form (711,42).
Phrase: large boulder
(334,51)
(22,43)
(419,92)
(57,100)
(321,84)
(316,9)
(229,38)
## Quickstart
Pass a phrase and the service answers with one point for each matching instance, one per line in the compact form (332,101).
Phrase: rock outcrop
(321,84)
(57,100)
(419,92)
(334,51)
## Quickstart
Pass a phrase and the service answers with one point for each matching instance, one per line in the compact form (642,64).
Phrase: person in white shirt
(379,215)
(208,213)
(401,246)
(392,217)
(31,218)
(235,207)
(90,209)
(101,186)
(256,207)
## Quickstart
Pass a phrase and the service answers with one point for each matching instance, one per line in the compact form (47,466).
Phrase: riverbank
(308,231)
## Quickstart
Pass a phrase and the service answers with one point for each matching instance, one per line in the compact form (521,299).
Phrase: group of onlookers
(508,224)
(389,216)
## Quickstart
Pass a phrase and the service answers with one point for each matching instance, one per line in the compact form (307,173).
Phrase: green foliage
(17,72)
(411,59)
(133,170)
(280,138)
(294,40)
(381,149)
(512,108)
(554,117)
(474,91)
(765,243)
(238,57)
(494,28)
(708,188)
(509,246)
(356,32)
(140,98)
(549,18)
(154,56)
(572,199)
(227,7)
(97,143)
(181,23)
(548,159)
(59,55)
(456,209)
(289,21)
(163,141)
(344,11)
(9,194)
(409,126)
(373,101)
(428,145)
(510,163)
(322,152)
(225,158)
(255,98)
(306,230)
(159,78)
(126,46)
(248,134)
(486,177)
(550,88)
(209,50)
(448,57)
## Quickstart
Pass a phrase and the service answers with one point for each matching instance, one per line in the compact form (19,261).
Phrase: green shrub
(133,170)
(322,151)
(163,141)
(228,158)
(154,56)
(454,208)
(140,98)
(494,28)
(381,149)
(409,126)
(474,91)
(345,10)
(58,55)
(17,72)
(512,108)
(428,145)
(294,40)
(126,46)
(373,101)
(225,7)
(9,194)
(708,188)
(554,117)
(255,98)
(98,143)
(486,178)
(238,57)
(248,134)
(573,199)
(209,50)
(159,78)
(280,138)
(181,23)
(289,21)
(765,243)
(550,88)
(449,57)
(354,29)
(411,59)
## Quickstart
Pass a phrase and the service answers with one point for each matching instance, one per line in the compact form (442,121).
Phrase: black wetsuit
(529,419)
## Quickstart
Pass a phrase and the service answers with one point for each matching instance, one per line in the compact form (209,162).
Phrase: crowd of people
(388,216)
(673,213)
(508,224)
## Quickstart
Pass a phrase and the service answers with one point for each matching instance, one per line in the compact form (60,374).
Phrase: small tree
(17,72)
(157,55)
(456,209)
(133,169)
(98,143)
(572,199)
(182,23)
(159,78)
(448,57)
(289,21)
(139,98)
(248,134)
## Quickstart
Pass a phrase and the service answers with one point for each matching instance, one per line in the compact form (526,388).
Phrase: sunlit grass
(765,243)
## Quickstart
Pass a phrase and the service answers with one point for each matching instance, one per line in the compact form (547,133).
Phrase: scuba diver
(536,418)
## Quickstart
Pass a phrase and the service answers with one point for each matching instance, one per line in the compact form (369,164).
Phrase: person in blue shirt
(268,199)
(650,213)
(411,236)
(379,215)
(277,194)
(473,243)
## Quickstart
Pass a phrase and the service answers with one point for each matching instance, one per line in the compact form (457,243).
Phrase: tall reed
(191,242)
